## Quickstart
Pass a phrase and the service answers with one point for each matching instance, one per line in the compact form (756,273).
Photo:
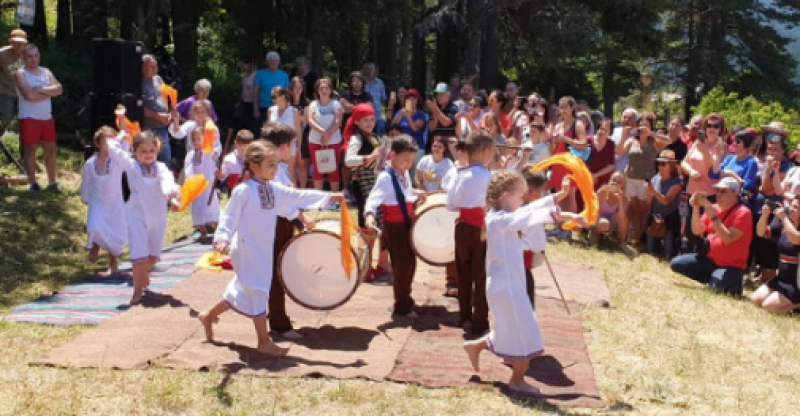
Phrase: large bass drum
(310,266)
(433,233)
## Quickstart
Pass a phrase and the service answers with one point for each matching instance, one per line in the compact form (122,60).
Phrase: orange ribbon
(170,95)
(132,127)
(579,174)
(192,187)
(347,231)
(209,136)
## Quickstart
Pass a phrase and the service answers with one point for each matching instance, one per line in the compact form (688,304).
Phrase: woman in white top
(283,112)
(469,121)
(324,118)
(432,168)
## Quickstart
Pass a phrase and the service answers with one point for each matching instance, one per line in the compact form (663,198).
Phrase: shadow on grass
(41,243)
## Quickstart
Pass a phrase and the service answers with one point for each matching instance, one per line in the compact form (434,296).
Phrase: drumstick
(219,161)
(508,146)
(550,268)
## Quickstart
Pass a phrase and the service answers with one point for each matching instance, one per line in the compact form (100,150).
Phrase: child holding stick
(152,185)
(233,162)
(106,226)
(247,226)
(515,336)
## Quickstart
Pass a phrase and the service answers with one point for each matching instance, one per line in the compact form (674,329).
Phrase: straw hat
(777,128)
(666,155)
(18,35)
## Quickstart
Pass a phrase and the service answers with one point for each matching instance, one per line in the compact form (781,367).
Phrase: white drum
(433,233)
(310,266)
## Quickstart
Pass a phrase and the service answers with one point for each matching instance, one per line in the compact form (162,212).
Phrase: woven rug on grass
(95,299)
(580,283)
(359,339)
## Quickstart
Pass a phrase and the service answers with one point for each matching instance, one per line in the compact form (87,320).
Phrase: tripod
(7,152)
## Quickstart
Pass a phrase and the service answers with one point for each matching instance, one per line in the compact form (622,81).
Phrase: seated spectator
(728,229)
(781,294)
(664,190)
(741,165)
(202,89)
(612,217)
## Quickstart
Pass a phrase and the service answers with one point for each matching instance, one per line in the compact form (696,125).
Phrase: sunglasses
(713,125)
(473,105)
(660,164)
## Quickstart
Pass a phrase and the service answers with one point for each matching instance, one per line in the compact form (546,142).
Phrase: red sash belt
(472,216)
(788,259)
(233,180)
(393,214)
(527,255)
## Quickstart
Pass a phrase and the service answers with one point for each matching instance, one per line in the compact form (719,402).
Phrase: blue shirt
(419,135)
(266,80)
(747,169)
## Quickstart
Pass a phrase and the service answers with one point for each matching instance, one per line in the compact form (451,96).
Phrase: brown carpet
(360,339)
(580,283)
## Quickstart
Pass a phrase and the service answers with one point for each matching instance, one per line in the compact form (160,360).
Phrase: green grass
(666,346)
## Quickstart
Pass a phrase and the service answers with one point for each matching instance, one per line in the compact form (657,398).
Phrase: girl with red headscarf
(363,153)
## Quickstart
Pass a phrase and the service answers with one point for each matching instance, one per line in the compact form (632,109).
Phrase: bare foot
(94,253)
(474,352)
(272,350)
(208,325)
(135,299)
(525,388)
(292,335)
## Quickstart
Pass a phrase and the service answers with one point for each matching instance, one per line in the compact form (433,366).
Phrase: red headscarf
(360,111)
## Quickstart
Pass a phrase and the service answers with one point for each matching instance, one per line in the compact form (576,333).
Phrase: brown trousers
(471,265)
(278,319)
(396,237)
(451,275)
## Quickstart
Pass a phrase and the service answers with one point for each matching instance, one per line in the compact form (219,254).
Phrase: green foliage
(749,111)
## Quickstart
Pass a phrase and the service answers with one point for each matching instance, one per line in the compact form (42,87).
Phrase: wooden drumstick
(225,151)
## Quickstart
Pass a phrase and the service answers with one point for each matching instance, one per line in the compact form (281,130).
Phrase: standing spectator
(512,90)
(601,159)
(695,125)
(307,74)
(36,86)
(470,119)
(442,116)
(397,101)
(10,62)
(677,145)
(641,167)
(202,89)
(374,86)
(411,120)
(741,165)
(168,68)
(354,95)
(325,119)
(284,113)
(728,228)
(265,80)
(467,93)
(520,118)
(664,190)
(629,119)
(245,107)
(497,103)
(300,102)
(455,86)
(156,114)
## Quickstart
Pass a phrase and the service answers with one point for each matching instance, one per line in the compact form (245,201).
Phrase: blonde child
(467,194)
(232,163)
(282,137)
(510,158)
(106,226)
(204,214)
(515,336)
(393,192)
(247,226)
(200,115)
(152,185)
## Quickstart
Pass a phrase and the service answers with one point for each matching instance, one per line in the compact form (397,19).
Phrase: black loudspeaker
(103,106)
(117,66)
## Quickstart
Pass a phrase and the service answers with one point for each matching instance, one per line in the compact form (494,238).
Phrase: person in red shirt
(690,135)
(728,230)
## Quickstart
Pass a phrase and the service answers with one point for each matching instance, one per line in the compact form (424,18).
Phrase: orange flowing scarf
(192,187)
(579,174)
(132,127)
(347,231)
(209,136)
(170,95)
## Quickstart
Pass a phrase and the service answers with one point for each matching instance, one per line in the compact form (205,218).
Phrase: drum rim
(416,217)
(359,277)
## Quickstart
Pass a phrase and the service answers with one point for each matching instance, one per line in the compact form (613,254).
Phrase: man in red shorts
(36,86)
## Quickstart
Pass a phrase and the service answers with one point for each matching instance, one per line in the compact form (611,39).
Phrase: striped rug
(94,299)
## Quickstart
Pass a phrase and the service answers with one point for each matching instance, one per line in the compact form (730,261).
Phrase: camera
(701,136)
(773,205)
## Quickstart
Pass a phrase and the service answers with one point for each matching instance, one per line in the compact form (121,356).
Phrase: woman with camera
(641,152)
(663,190)
(781,294)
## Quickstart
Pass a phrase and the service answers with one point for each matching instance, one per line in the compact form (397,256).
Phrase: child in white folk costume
(101,189)
(247,226)
(233,163)
(152,184)
(204,214)
(515,335)
(201,114)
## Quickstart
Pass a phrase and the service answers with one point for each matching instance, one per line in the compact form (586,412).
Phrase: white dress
(185,130)
(248,224)
(515,334)
(274,115)
(101,189)
(151,187)
(201,163)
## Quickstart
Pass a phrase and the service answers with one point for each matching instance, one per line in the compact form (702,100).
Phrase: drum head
(310,270)
(433,236)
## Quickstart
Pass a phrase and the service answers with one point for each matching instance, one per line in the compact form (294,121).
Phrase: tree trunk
(405,47)
(37,34)
(386,51)
(63,24)
(127,9)
(185,19)
(490,56)
(163,27)
(316,13)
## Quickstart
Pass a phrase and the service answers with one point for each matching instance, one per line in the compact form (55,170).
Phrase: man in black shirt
(442,115)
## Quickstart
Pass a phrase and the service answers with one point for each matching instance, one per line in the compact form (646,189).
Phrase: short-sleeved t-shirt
(266,80)
(680,149)
(433,172)
(325,116)
(419,135)
(736,253)
(9,64)
(356,99)
(747,169)
(153,101)
(449,111)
